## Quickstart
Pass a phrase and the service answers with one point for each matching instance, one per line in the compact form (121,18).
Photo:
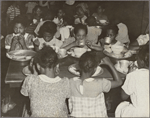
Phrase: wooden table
(14,76)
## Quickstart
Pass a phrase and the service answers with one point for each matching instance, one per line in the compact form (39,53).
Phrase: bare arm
(124,96)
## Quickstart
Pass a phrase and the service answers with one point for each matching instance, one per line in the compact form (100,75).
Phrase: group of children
(46,33)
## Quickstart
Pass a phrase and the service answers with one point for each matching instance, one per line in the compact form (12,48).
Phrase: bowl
(103,21)
(117,49)
(62,52)
(107,40)
(79,51)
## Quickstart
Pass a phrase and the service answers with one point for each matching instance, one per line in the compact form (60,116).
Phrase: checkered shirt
(87,106)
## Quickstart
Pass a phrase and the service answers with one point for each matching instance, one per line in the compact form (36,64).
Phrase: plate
(73,70)
(113,56)
(20,55)
(26,71)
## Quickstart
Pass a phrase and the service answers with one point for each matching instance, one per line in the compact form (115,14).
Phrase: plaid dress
(82,103)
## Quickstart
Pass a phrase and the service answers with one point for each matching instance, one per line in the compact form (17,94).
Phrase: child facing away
(47,91)
(46,36)
(136,86)
(80,33)
(87,93)
(19,40)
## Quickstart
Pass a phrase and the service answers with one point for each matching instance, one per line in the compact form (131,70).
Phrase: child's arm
(22,42)
(70,45)
(36,44)
(117,80)
(124,96)
(13,44)
(94,46)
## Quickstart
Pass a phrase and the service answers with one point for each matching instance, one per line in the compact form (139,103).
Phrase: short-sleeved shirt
(28,40)
(53,43)
(91,103)
(30,6)
(47,95)
(93,34)
(13,12)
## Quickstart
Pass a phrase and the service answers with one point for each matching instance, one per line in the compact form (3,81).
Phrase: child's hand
(15,40)
(36,42)
(89,44)
(107,61)
(21,40)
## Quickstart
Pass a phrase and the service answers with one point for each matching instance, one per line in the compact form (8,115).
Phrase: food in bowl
(117,49)
(79,51)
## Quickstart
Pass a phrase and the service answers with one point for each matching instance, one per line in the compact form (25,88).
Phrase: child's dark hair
(48,27)
(46,57)
(37,7)
(88,62)
(79,27)
(143,55)
(113,27)
(91,21)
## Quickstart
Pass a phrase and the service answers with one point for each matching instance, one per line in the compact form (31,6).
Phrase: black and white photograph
(74,58)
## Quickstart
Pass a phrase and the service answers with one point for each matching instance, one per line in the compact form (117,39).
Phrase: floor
(19,99)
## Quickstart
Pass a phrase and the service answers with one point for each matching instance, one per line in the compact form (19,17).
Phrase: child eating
(87,93)
(19,39)
(47,91)
(136,86)
(80,32)
(46,36)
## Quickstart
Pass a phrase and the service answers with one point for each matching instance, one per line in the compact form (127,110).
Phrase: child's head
(91,21)
(143,57)
(20,24)
(60,13)
(80,31)
(100,9)
(79,11)
(37,10)
(48,30)
(112,32)
(46,58)
(88,63)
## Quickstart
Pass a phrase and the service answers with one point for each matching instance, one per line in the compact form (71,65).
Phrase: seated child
(46,36)
(19,39)
(66,31)
(87,93)
(47,91)
(136,86)
(80,16)
(48,16)
(58,20)
(100,15)
(93,34)
(80,32)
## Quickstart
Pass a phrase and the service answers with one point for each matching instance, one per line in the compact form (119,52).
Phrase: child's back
(88,100)
(47,95)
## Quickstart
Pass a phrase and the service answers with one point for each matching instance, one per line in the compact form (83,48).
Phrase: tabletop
(15,76)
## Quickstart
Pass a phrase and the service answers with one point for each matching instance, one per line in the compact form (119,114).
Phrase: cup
(124,64)
(107,40)
(81,42)
(62,52)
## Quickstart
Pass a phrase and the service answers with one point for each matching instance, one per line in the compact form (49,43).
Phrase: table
(15,77)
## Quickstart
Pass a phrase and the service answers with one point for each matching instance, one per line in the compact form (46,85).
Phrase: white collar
(49,80)
(87,80)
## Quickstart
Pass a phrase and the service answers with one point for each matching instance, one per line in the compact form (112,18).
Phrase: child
(80,33)
(93,34)
(19,39)
(47,91)
(80,16)
(66,31)
(13,11)
(58,20)
(100,15)
(46,36)
(87,93)
(30,6)
(136,86)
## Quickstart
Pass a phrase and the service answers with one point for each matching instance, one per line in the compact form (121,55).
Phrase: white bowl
(102,21)
(79,51)
(117,49)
